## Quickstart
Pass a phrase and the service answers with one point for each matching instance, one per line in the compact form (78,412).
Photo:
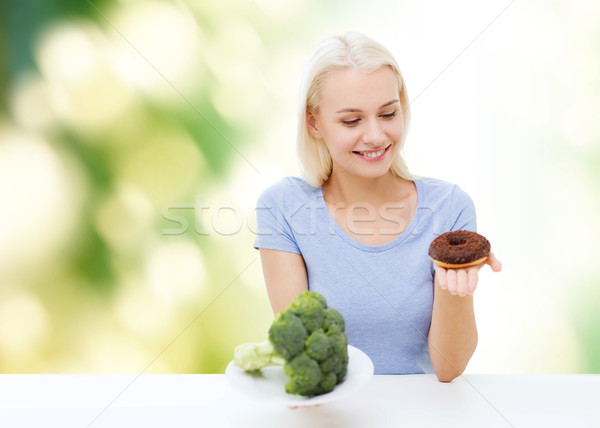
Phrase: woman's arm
(285,276)
(453,333)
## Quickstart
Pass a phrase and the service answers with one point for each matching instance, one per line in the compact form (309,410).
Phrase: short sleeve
(462,211)
(273,230)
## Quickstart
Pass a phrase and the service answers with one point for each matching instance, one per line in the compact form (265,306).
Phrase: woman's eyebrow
(355,110)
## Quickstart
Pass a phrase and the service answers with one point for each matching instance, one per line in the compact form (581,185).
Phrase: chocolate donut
(459,249)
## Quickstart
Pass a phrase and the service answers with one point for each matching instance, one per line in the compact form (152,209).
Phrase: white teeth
(373,154)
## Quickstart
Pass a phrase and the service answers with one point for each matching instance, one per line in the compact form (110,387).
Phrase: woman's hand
(464,281)
(304,407)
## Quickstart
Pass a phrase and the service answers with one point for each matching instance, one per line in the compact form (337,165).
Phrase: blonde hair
(352,50)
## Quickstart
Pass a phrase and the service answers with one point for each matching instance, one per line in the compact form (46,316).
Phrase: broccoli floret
(317,296)
(287,334)
(308,339)
(318,345)
(304,373)
(310,310)
(339,345)
(331,318)
(328,382)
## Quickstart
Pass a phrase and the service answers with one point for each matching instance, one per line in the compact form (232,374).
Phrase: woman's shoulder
(448,199)
(435,184)
(289,189)
(437,190)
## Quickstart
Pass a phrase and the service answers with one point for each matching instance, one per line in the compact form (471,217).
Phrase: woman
(357,228)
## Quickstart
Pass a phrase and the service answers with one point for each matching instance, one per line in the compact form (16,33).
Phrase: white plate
(270,385)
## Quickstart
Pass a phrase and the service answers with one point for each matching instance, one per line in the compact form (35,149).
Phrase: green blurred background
(135,137)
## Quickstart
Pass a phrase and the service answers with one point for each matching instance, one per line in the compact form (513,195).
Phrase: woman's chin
(371,173)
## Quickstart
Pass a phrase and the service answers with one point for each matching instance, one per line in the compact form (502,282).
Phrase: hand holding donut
(458,256)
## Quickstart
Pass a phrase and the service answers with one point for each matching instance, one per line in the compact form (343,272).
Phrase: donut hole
(457,240)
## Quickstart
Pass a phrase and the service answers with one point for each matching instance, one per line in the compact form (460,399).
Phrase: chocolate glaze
(459,247)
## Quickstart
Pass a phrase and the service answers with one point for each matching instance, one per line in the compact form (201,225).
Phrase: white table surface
(386,401)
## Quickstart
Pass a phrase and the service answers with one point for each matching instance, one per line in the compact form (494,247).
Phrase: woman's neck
(348,189)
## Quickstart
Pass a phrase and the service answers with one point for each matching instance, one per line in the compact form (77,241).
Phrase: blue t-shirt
(384,292)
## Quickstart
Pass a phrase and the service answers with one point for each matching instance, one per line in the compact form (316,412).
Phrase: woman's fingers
(451,284)
(494,263)
(441,275)
(461,282)
(473,278)
(303,407)
(464,281)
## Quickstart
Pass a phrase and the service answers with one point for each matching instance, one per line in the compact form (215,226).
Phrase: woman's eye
(350,122)
(389,115)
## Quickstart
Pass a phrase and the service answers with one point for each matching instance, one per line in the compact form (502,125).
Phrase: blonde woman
(357,227)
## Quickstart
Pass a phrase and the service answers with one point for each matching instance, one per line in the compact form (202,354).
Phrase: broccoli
(308,339)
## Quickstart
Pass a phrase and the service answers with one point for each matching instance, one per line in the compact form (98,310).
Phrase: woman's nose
(373,132)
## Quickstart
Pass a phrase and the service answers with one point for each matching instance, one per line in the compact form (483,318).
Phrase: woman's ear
(311,124)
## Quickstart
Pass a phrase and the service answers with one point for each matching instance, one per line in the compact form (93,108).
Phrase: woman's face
(360,121)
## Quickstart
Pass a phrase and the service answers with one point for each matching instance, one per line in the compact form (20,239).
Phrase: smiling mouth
(372,154)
